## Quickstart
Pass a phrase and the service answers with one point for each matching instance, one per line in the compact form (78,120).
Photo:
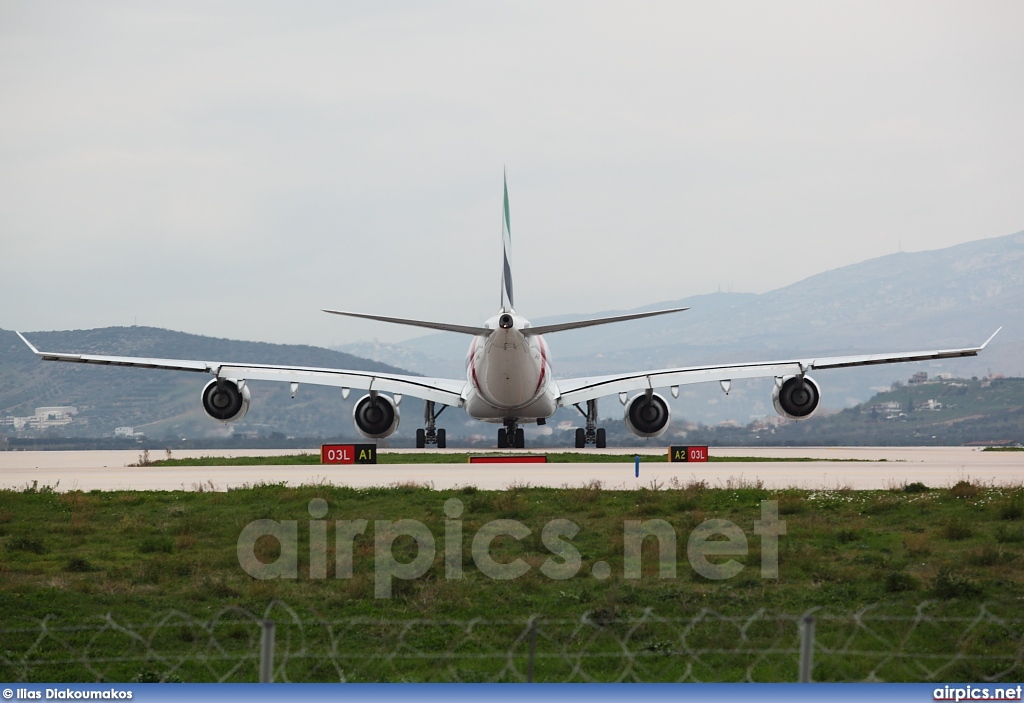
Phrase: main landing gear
(592,434)
(430,435)
(511,436)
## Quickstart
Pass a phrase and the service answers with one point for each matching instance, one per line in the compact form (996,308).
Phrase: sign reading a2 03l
(348,454)
(687,453)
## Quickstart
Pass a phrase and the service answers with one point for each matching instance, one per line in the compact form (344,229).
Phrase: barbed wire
(867,645)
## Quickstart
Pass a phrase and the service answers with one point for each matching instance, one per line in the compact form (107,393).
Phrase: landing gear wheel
(502,439)
(590,435)
(429,435)
(520,438)
(602,440)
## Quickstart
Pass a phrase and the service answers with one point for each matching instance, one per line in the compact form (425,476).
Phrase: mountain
(944,298)
(906,301)
(166,404)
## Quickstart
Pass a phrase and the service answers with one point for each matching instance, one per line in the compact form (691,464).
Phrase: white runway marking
(883,467)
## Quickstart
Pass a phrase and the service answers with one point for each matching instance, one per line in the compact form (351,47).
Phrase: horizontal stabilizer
(547,329)
(443,326)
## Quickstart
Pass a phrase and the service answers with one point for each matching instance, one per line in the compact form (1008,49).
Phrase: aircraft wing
(576,390)
(439,390)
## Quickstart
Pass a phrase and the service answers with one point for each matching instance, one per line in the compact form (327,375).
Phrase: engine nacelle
(376,417)
(223,400)
(795,400)
(647,418)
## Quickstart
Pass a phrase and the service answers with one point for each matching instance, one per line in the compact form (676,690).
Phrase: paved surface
(881,467)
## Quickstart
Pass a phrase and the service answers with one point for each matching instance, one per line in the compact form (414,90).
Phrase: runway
(875,468)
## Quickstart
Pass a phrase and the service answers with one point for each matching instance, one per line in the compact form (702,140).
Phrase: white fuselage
(509,374)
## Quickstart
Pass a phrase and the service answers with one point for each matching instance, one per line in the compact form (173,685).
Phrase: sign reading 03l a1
(348,454)
(687,453)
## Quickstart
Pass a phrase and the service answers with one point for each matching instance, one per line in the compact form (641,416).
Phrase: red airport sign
(348,454)
(687,453)
(510,459)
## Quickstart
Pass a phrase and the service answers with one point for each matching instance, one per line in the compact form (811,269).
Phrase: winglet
(30,345)
(979,348)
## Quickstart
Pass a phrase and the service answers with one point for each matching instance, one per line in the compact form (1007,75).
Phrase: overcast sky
(229,168)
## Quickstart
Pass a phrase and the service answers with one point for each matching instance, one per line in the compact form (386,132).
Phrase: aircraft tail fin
(507,303)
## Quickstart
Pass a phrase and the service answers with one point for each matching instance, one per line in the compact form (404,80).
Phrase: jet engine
(647,416)
(376,416)
(224,400)
(796,398)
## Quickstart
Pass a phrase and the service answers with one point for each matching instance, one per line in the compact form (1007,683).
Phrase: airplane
(509,380)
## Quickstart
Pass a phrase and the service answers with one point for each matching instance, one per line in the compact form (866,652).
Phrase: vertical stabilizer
(506,245)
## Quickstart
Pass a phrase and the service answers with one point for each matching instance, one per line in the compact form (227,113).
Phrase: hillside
(945,412)
(940,412)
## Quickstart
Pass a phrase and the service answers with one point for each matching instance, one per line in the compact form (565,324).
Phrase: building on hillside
(127,432)
(987,381)
(891,406)
(768,422)
(18,423)
(53,416)
(918,378)
(56,415)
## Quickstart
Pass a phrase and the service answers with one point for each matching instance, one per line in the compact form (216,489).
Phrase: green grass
(429,457)
(141,559)
(1003,449)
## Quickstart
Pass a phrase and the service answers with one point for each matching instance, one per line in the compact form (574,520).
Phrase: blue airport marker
(636,459)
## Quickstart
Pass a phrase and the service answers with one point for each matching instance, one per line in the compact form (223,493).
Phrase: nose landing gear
(511,435)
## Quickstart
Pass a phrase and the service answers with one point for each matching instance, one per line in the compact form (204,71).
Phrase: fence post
(267,652)
(806,647)
(533,649)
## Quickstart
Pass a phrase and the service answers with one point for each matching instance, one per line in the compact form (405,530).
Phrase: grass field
(135,556)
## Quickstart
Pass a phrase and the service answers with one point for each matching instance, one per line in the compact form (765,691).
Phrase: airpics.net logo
(710,547)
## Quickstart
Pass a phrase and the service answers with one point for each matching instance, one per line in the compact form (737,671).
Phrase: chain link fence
(278,645)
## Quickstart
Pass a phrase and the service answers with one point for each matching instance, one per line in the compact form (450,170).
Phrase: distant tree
(908,407)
